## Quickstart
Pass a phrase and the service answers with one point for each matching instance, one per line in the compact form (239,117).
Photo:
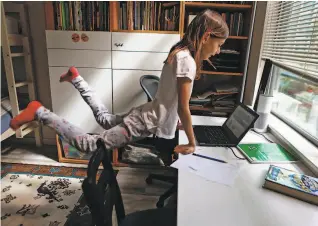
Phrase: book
(81,16)
(71,152)
(190,18)
(266,153)
(292,183)
(225,88)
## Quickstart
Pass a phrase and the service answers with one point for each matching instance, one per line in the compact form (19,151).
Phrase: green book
(266,153)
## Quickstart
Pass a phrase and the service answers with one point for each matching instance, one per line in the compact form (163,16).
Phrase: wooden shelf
(220,93)
(221,73)
(211,109)
(235,37)
(238,37)
(148,31)
(75,30)
(217,5)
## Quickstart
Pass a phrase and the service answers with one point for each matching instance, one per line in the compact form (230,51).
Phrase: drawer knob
(119,44)
(75,37)
(84,37)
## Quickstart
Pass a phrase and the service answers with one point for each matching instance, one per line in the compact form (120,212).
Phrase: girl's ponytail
(206,21)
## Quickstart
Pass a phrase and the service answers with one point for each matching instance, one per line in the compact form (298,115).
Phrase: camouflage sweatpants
(119,130)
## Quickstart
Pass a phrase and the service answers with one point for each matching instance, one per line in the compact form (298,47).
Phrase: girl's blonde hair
(206,21)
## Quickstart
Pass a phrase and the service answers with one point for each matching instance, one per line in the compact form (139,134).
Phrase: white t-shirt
(161,115)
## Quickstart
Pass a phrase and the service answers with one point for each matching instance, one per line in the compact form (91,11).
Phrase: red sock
(69,75)
(28,115)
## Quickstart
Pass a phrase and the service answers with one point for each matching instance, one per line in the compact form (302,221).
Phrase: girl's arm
(184,95)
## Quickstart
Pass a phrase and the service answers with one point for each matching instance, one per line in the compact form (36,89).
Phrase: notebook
(292,183)
(266,153)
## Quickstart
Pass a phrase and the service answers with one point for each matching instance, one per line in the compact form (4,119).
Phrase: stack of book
(235,23)
(226,61)
(81,16)
(148,15)
(227,101)
(219,98)
(224,103)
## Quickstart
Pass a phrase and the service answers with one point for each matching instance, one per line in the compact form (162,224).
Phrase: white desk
(204,203)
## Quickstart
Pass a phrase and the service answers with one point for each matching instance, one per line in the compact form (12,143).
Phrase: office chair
(102,197)
(150,83)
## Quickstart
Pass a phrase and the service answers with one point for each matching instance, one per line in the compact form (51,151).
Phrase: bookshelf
(221,73)
(232,62)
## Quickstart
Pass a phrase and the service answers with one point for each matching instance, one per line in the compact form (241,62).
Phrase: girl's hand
(185,149)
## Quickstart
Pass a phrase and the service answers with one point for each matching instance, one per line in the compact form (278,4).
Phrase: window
(291,35)
(291,42)
(296,101)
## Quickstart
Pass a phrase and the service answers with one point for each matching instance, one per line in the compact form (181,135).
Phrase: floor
(137,195)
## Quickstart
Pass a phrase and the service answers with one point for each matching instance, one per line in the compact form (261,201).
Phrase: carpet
(42,195)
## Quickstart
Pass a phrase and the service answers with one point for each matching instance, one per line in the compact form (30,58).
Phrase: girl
(203,39)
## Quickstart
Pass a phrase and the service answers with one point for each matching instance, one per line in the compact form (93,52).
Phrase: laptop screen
(239,121)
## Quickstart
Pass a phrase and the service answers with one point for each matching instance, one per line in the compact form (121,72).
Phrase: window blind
(291,35)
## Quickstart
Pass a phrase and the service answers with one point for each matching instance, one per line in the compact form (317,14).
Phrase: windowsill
(303,148)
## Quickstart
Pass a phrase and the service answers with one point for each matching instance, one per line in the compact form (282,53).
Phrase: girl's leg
(101,113)
(71,134)
(133,128)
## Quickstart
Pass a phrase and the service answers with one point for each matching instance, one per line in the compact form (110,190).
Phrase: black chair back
(150,84)
(102,196)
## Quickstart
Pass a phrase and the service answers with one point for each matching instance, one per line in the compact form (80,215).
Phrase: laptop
(230,133)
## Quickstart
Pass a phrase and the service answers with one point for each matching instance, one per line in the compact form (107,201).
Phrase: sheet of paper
(223,173)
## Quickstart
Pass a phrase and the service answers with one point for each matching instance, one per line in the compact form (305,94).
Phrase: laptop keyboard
(210,135)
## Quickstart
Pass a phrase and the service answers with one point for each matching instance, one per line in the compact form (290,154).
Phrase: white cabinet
(127,92)
(68,103)
(143,42)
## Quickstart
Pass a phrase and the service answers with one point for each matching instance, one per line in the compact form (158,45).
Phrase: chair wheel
(148,180)
(160,204)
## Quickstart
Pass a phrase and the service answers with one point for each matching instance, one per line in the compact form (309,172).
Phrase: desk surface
(204,203)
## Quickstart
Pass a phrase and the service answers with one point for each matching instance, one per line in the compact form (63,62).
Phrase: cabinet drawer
(138,60)
(143,41)
(127,92)
(68,103)
(97,40)
(79,58)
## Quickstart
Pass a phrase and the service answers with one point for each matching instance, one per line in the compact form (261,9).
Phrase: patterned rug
(42,195)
